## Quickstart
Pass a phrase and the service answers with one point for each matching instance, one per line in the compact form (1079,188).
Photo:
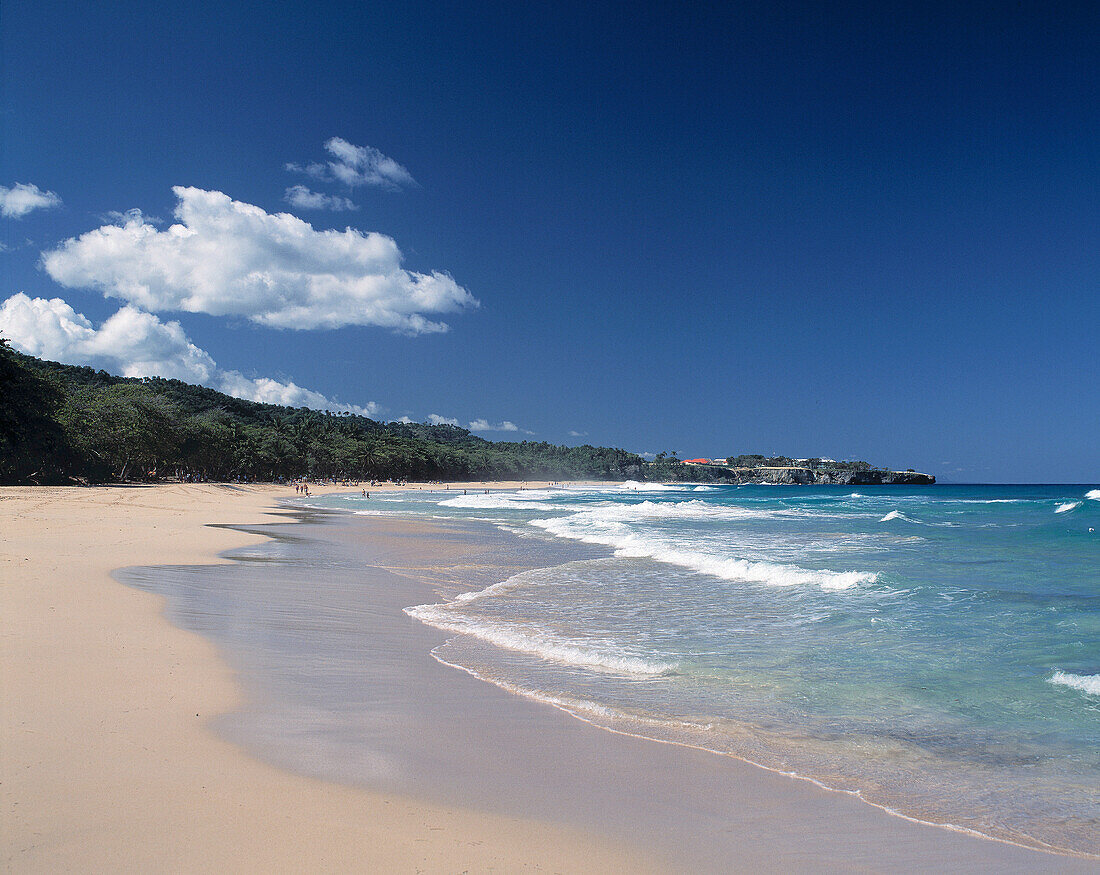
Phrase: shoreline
(106,756)
(398,843)
(624,728)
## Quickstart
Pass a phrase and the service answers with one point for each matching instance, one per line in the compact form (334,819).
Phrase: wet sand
(328,736)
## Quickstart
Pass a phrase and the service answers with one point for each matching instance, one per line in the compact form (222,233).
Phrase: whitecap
(496,501)
(1086,683)
(636,486)
(894,515)
(593,528)
(1068,506)
(693,508)
(1094,494)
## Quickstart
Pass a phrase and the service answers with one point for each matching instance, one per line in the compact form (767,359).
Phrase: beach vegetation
(63,423)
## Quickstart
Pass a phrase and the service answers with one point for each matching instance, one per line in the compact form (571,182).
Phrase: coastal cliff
(827,477)
(837,474)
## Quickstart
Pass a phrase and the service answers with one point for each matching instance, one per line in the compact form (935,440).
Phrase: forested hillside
(61,423)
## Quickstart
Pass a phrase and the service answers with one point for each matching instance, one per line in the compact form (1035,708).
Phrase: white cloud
(485,425)
(305,199)
(355,166)
(21,198)
(137,344)
(476,425)
(229,258)
(577,433)
(124,217)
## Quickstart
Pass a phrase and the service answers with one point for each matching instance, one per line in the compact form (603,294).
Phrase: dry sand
(105,761)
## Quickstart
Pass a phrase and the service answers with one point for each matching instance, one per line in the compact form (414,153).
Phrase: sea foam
(1068,506)
(607,526)
(496,501)
(1094,494)
(536,642)
(636,486)
(1087,683)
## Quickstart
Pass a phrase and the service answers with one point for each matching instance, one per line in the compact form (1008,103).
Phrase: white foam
(1087,683)
(636,486)
(536,642)
(1068,506)
(494,589)
(693,508)
(705,489)
(989,500)
(898,515)
(606,526)
(1094,494)
(496,501)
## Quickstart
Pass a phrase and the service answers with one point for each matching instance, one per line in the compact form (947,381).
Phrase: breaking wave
(636,486)
(496,501)
(536,642)
(1068,506)
(607,526)
(1086,683)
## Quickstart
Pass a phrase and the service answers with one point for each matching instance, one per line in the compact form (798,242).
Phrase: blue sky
(855,231)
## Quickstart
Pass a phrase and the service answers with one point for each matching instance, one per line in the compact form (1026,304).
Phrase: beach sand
(108,760)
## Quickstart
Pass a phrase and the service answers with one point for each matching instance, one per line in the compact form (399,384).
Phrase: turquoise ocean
(935,650)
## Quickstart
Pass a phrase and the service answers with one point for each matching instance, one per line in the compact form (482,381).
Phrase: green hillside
(61,423)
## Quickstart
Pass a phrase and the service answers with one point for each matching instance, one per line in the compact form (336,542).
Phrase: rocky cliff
(824,477)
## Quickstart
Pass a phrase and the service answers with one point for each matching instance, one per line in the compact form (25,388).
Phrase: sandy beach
(110,760)
(107,764)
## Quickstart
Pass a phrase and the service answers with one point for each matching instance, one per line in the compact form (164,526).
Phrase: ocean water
(935,650)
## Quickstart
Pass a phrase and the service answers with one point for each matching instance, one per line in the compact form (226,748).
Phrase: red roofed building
(696,461)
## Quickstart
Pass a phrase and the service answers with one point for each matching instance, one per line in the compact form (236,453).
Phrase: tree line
(64,423)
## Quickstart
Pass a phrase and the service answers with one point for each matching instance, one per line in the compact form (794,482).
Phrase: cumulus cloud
(356,165)
(485,425)
(21,198)
(229,258)
(436,419)
(137,344)
(573,433)
(305,199)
